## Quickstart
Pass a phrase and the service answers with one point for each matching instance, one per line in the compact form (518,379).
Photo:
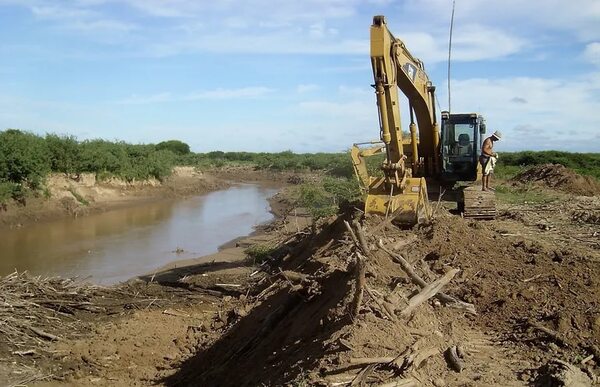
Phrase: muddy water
(119,244)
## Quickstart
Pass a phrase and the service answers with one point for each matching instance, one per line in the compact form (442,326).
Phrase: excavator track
(478,204)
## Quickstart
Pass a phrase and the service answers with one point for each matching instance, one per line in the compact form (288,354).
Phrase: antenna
(450,52)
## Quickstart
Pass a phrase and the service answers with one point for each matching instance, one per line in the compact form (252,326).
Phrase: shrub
(64,153)
(259,252)
(175,146)
(24,160)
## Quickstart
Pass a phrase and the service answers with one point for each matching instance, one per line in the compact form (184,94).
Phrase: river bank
(66,197)
(78,321)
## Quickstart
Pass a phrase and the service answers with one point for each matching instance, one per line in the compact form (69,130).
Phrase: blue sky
(263,75)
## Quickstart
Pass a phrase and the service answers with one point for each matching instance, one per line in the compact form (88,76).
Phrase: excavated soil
(559,177)
(291,318)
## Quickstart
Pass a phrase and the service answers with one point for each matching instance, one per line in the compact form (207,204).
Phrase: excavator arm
(399,191)
(402,189)
(395,68)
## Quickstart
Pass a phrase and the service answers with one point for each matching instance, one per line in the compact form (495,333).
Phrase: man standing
(488,159)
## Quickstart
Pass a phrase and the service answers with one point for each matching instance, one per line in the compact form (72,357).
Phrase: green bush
(24,160)
(258,253)
(584,163)
(324,199)
(175,146)
(64,153)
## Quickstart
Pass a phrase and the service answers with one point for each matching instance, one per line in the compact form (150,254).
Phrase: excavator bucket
(408,207)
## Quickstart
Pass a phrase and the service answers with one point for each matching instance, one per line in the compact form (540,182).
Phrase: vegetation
(259,252)
(24,163)
(509,164)
(324,199)
(524,194)
(175,146)
(26,159)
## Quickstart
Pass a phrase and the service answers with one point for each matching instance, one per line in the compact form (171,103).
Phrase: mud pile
(315,319)
(520,285)
(557,176)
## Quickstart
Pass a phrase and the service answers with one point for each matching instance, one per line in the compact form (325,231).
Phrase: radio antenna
(450,53)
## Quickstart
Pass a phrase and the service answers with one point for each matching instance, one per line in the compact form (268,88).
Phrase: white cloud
(535,113)
(215,94)
(592,53)
(136,99)
(579,17)
(306,88)
(220,93)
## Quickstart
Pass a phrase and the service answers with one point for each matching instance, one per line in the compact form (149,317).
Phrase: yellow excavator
(442,156)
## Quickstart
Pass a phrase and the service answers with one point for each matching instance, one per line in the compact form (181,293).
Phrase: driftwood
(384,309)
(402,363)
(45,335)
(595,351)
(293,276)
(359,286)
(407,267)
(453,359)
(554,335)
(361,238)
(428,291)
(371,360)
(404,242)
(407,382)
(360,267)
(351,232)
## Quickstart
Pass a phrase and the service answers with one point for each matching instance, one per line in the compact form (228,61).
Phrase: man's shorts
(484,162)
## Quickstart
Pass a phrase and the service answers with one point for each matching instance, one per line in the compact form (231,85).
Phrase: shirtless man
(487,151)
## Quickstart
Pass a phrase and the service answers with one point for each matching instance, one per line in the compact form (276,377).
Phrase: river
(114,246)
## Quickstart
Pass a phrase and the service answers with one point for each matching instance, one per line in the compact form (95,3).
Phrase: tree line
(26,159)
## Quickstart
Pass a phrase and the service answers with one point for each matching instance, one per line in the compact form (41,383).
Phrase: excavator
(434,153)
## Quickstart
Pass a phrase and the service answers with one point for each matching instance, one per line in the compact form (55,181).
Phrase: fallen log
(386,311)
(351,232)
(428,292)
(359,271)
(293,276)
(361,238)
(445,298)
(453,360)
(45,335)
(554,335)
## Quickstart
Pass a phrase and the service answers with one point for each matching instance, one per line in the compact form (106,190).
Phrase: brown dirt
(559,177)
(288,320)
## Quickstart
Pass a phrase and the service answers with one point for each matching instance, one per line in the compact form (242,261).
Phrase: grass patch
(323,199)
(79,198)
(524,194)
(260,252)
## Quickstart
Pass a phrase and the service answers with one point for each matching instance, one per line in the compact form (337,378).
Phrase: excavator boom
(409,159)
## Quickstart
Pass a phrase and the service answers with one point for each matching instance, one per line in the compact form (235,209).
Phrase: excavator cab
(462,136)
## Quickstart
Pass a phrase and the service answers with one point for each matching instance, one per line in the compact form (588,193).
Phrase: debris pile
(557,176)
(348,305)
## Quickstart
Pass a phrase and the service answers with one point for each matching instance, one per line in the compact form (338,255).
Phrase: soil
(532,275)
(559,177)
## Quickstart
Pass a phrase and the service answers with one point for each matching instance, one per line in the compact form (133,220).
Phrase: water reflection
(119,244)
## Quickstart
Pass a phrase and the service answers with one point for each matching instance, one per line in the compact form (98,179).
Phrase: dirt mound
(557,176)
(304,325)
(529,294)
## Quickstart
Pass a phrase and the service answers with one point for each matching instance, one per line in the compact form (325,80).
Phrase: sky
(265,75)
